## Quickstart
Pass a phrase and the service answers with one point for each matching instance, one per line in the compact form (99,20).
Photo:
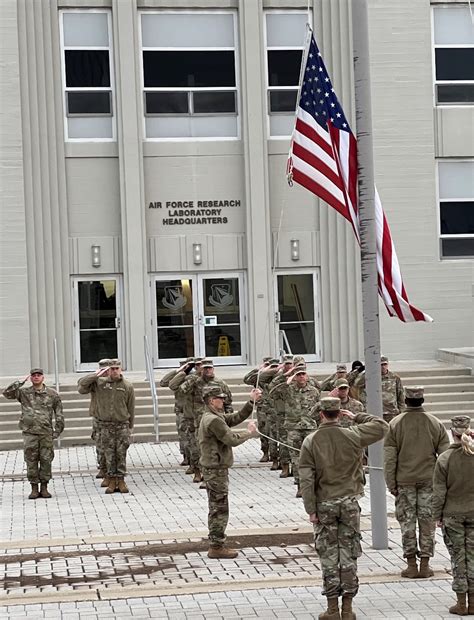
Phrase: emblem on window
(220,296)
(174,298)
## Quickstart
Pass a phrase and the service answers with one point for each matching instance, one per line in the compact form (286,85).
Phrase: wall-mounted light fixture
(295,249)
(197,253)
(95,255)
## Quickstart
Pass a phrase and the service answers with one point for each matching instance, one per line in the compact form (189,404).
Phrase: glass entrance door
(297,314)
(199,315)
(97,321)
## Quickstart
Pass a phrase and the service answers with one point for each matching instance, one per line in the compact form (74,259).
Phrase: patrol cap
(115,363)
(330,403)
(287,359)
(341,368)
(301,370)
(460,424)
(36,371)
(266,359)
(341,383)
(298,359)
(207,364)
(212,391)
(198,360)
(415,392)
(104,362)
(384,359)
(273,362)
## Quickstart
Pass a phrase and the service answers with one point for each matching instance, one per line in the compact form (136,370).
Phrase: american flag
(323,158)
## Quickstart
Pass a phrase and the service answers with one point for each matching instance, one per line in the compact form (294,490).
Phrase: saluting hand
(102,371)
(348,414)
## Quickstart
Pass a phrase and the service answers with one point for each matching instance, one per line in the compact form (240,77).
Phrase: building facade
(144,194)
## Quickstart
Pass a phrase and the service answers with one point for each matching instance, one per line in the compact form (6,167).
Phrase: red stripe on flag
(307,131)
(319,191)
(318,164)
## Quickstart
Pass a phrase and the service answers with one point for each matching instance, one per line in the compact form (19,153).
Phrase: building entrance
(201,316)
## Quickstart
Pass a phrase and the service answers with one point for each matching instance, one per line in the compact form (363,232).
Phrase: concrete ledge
(462,357)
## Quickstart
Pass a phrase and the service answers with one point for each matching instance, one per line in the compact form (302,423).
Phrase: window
(285,37)
(454,55)
(189,74)
(456,208)
(87,75)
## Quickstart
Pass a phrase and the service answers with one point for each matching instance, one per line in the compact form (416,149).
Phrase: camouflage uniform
(351,404)
(178,410)
(268,410)
(216,440)
(251,379)
(453,505)
(95,435)
(393,399)
(188,428)
(36,423)
(332,480)
(412,443)
(278,396)
(330,382)
(115,413)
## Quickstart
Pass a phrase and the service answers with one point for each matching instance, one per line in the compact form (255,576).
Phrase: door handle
(277,317)
(117,322)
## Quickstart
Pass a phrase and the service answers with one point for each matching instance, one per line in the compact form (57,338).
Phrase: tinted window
(457,218)
(166,103)
(184,69)
(457,247)
(283,100)
(284,67)
(455,93)
(92,102)
(214,102)
(455,63)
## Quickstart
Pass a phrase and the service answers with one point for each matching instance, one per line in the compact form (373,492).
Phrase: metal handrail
(56,374)
(282,341)
(150,377)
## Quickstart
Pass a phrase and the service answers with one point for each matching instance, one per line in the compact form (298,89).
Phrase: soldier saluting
(39,404)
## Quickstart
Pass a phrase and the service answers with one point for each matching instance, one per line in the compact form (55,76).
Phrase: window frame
(440,200)
(191,114)
(435,46)
(269,88)
(109,89)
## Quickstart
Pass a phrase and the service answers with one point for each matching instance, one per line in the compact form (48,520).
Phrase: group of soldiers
(321,441)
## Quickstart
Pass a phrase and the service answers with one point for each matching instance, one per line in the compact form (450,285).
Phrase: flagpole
(370,304)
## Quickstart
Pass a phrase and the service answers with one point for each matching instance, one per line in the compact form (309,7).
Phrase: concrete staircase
(448,391)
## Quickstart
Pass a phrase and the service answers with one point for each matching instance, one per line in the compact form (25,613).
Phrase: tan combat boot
(221,553)
(411,571)
(298,492)
(121,485)
(285,470)
(346,611)
(470,600)
(105,482)
(190,470)
(332,612)
(34,491)
(460,608)
(44,490)
(264,458)
(100,474)
(112,485)
(197,475)
(274,466)
(425,568)
(184,461)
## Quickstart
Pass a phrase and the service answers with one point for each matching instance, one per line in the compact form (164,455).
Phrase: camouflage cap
(299,371)
(207,364)
(212,391)
(115,363)
(460,424)
(298,359)
(415,392)
(266,359)
(384,359)
(341,383)
(341,368)
(38,371)
(198,360)
(104,363)
(330,403)
(287,359)
(273,361)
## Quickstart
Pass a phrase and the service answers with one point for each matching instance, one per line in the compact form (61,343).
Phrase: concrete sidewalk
(85,554)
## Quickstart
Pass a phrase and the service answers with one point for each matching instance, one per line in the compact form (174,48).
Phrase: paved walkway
(84,554)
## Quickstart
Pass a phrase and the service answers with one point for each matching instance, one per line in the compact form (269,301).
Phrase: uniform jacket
(299,403)
(38,407)
(352,405)
(453,484)
(115,400)
(178,383)
(192,390)
(330,465)
(414,440)
(393,397)
(178,396)
(216,439)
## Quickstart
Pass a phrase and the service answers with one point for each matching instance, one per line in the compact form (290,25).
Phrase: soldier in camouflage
(393,399)
(95,435)
(39,405)
(115,398)
(413,441)
(330,382)
(179,409)
(341,391)
(332,480)
(253,378)
(267,408)
(453,509)
(278,397)
(185,377)
(216,440)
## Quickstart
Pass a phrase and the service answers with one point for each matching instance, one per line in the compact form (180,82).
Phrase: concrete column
(14,318)
(128,93)
(340,255)
(44,184)
(260,293)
